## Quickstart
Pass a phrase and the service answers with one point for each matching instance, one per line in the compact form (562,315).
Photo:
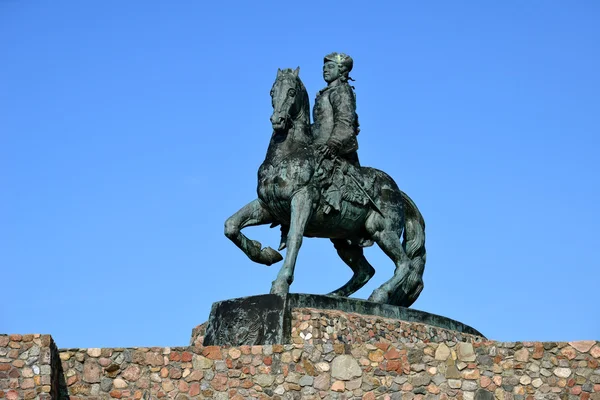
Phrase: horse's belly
(347,223)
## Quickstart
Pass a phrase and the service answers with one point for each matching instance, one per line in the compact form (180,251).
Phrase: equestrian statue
(311,184)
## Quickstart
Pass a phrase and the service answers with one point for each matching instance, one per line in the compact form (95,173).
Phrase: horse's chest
(279,181)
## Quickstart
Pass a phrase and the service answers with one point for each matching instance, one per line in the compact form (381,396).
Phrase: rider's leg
(353,256)
(284,232)
(253,213)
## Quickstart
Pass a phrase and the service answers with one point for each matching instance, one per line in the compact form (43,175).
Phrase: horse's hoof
(379,296)
(336,293)
(270,256)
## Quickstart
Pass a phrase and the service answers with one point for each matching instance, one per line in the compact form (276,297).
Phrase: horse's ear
(296,72)
(278,72)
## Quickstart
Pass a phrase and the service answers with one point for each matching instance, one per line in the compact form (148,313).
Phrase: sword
(358,185)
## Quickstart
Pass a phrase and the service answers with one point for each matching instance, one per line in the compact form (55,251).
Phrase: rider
(335,120)
(335,129)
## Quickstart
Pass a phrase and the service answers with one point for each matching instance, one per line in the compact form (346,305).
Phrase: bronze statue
(312,184)
(335,127)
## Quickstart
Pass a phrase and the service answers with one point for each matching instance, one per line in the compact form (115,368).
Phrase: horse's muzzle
(278,122)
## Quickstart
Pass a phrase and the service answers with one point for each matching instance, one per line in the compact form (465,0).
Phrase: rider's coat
(335,119)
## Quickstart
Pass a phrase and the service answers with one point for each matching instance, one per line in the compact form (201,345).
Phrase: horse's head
(289,99)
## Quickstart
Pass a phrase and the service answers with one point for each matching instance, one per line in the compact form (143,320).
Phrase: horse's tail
(414,245)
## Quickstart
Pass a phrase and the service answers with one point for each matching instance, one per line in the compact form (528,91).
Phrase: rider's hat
(341,59)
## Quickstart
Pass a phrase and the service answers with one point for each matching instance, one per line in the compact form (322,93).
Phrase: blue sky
(129,132)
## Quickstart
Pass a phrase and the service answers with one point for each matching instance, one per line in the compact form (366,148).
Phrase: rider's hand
(330,149)
(325,151)
(334,146)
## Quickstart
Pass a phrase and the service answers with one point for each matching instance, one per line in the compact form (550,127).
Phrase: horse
(290,195)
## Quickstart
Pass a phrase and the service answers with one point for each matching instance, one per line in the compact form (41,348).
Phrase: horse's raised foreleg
(253,213)
(301,210)
(353,256)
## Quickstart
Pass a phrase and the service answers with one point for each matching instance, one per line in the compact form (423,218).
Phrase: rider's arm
(343,135)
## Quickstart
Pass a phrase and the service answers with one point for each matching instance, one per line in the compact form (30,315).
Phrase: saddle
(340,181)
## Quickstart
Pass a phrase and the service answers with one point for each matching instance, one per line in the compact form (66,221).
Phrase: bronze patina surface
(312,184)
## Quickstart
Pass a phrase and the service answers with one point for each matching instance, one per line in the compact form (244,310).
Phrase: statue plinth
(298,318)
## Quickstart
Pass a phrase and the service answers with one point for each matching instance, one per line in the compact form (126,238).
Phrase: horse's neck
(300,131)
(284,145)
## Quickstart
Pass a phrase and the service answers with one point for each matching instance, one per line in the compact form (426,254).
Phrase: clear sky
(129,132)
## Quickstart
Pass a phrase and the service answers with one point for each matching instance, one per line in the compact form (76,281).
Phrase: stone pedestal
(273,319)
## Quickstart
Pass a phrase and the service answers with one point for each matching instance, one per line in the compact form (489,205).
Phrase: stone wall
(332,355)
(29,367)
(464,370)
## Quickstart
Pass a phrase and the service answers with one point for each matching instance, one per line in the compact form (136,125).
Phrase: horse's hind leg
(353,256)
(253,213)
(387,236)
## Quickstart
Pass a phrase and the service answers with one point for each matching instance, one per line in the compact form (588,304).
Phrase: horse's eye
(292,92)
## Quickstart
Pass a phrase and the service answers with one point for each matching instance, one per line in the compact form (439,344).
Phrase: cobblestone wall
(333,355)
(463,370)
(27,363)
(332,326)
